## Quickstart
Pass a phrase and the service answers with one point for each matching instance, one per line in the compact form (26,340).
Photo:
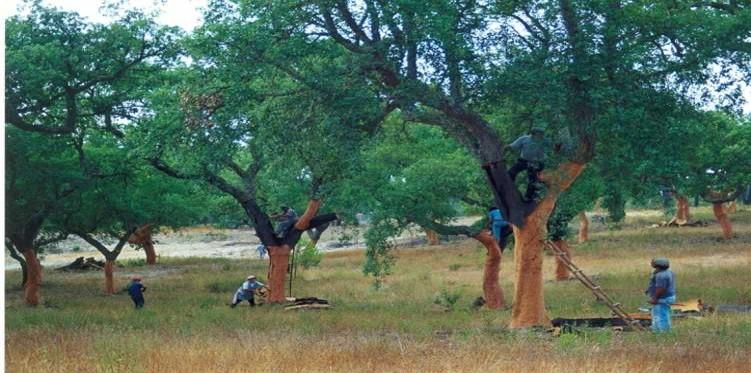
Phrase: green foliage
(447,298)
(307,254)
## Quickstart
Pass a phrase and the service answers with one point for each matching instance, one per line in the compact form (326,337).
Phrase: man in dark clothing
(287,218)
(136,289)
(531,150)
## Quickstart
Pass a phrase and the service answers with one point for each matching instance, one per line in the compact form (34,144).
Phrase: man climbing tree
(532,149)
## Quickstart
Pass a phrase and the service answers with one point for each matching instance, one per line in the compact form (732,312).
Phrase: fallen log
(81,264)
(307,303)
(675,222)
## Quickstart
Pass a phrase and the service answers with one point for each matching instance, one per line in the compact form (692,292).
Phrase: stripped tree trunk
(278,261)
(109,281)
(583,227)
(432,237)
(142,237)
(490,285)
(682,213)
(722,218)
(34,279)
(561,271)
(529,304)
(148,248)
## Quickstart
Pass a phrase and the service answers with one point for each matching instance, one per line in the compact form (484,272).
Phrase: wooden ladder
(596,289)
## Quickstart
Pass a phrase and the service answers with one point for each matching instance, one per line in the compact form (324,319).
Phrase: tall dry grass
(187,326)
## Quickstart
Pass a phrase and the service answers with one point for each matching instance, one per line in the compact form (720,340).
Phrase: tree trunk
(583,227)
(529,304)
(731,207)
(109,281)
(490,285)
(142,237)
(561,271)
(24,270)
(682,213)
(722,218)
(34,279)
(432,237)
(148,248)
(278,261)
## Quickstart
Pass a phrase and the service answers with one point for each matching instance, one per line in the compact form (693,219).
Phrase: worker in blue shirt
(661,292)
(135,290)
(247,292)
(498,226)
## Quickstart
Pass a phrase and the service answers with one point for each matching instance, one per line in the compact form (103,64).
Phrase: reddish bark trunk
(529,304)
(34,279)
(310,212)
(682,213)
(490,285)
(722,218)
(109,281)
(278,261)
(583,227)
(142,237)
(432,237)
(561,271)
(148,248)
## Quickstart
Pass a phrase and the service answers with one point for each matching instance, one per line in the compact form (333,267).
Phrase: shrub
(309,256)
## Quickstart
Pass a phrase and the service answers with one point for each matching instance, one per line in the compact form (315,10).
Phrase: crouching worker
(661,292)
(246,292)
(135,290)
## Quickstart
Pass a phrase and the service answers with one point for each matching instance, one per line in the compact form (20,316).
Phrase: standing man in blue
(498,226)
(661,292)
(135,290)
(261,248)
(531,150)
(247,292)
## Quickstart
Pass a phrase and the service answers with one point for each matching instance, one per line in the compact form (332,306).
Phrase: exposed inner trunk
(148,248)
(723,219)
(109,281)
(34,278)
(529,304)
(432,237)
(278,261)
(561,271)
(490,285)
(682,213)
(583,227)
(142,237)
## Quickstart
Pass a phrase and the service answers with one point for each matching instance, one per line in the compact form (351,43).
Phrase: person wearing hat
(246,292)
(135,290)
(661,292)
(531,150)
(287,219)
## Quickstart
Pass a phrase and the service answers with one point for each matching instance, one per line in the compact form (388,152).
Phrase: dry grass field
(421,320)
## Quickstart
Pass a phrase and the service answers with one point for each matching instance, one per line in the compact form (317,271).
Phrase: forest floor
(420,320)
